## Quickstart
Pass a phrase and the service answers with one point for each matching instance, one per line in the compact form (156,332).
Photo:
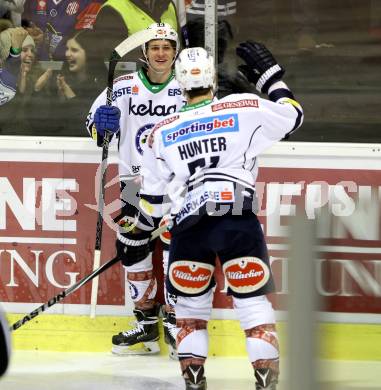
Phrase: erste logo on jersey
(142,137)
(130,90)
(174,91)
(190,277)
(209,125)
(246,274)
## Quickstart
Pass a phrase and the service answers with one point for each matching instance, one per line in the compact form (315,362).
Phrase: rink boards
(48,202)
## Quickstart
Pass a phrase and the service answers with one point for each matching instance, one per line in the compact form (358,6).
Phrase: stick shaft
(65,293)
(105,147)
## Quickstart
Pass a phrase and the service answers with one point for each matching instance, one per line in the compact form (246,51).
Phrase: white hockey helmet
(162,31)
(194,68)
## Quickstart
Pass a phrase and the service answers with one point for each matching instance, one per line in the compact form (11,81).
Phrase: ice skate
(266,379)
(141,340)
(194,378)
(170,333)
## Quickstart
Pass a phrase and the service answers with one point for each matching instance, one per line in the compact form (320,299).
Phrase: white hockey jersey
(142,105)
(204,159)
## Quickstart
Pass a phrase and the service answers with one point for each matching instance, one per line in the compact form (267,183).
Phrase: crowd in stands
(62,64)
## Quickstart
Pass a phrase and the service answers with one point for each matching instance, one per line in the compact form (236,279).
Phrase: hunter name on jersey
(142,105)
(193,148)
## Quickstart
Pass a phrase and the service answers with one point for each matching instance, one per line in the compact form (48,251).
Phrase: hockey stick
(129,44)
(63,294)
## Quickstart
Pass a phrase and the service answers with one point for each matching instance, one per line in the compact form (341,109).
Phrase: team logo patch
(133,291)
(165,236)
(190,277)
(41,6)
(171,299)
(142,137)
(246,274)
(209,125)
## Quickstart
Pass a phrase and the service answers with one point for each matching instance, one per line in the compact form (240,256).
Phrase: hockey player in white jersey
(140,100)
(201,168)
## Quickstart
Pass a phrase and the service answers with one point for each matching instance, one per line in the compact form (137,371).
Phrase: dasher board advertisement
(48,212)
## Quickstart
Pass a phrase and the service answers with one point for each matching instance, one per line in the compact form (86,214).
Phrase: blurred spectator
(76,86)
(30,70)
(118,19)
(57,20)
(195,12)
(10,49)
(224,8)
(12,9)
(229,79)
(34,31)
(4,24)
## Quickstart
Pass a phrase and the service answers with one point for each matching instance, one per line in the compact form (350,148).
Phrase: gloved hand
(261,67)
(107,118)
(132,246)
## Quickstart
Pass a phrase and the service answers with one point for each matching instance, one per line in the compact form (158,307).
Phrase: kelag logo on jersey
(150,109)
(142,136)
(191,129)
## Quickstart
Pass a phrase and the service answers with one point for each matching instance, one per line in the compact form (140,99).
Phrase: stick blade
(134,41)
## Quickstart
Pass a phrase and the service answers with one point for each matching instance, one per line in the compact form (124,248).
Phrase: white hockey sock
(192,342)
(257,318)
(142,283)
(170,299)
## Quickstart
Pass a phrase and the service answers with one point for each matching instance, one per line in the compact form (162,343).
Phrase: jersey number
(201,163)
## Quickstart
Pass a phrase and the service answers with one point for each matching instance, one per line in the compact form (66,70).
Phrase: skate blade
(172,353)
(146,348)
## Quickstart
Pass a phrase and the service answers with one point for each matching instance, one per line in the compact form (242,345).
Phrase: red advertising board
(48,218)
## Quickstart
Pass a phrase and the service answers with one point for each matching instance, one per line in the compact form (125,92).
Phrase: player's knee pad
(253,311)
(245,275)
(189,278)
(142,283)
(195,307)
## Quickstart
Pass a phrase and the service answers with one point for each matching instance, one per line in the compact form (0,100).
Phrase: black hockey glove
(133,247)
(262,68)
